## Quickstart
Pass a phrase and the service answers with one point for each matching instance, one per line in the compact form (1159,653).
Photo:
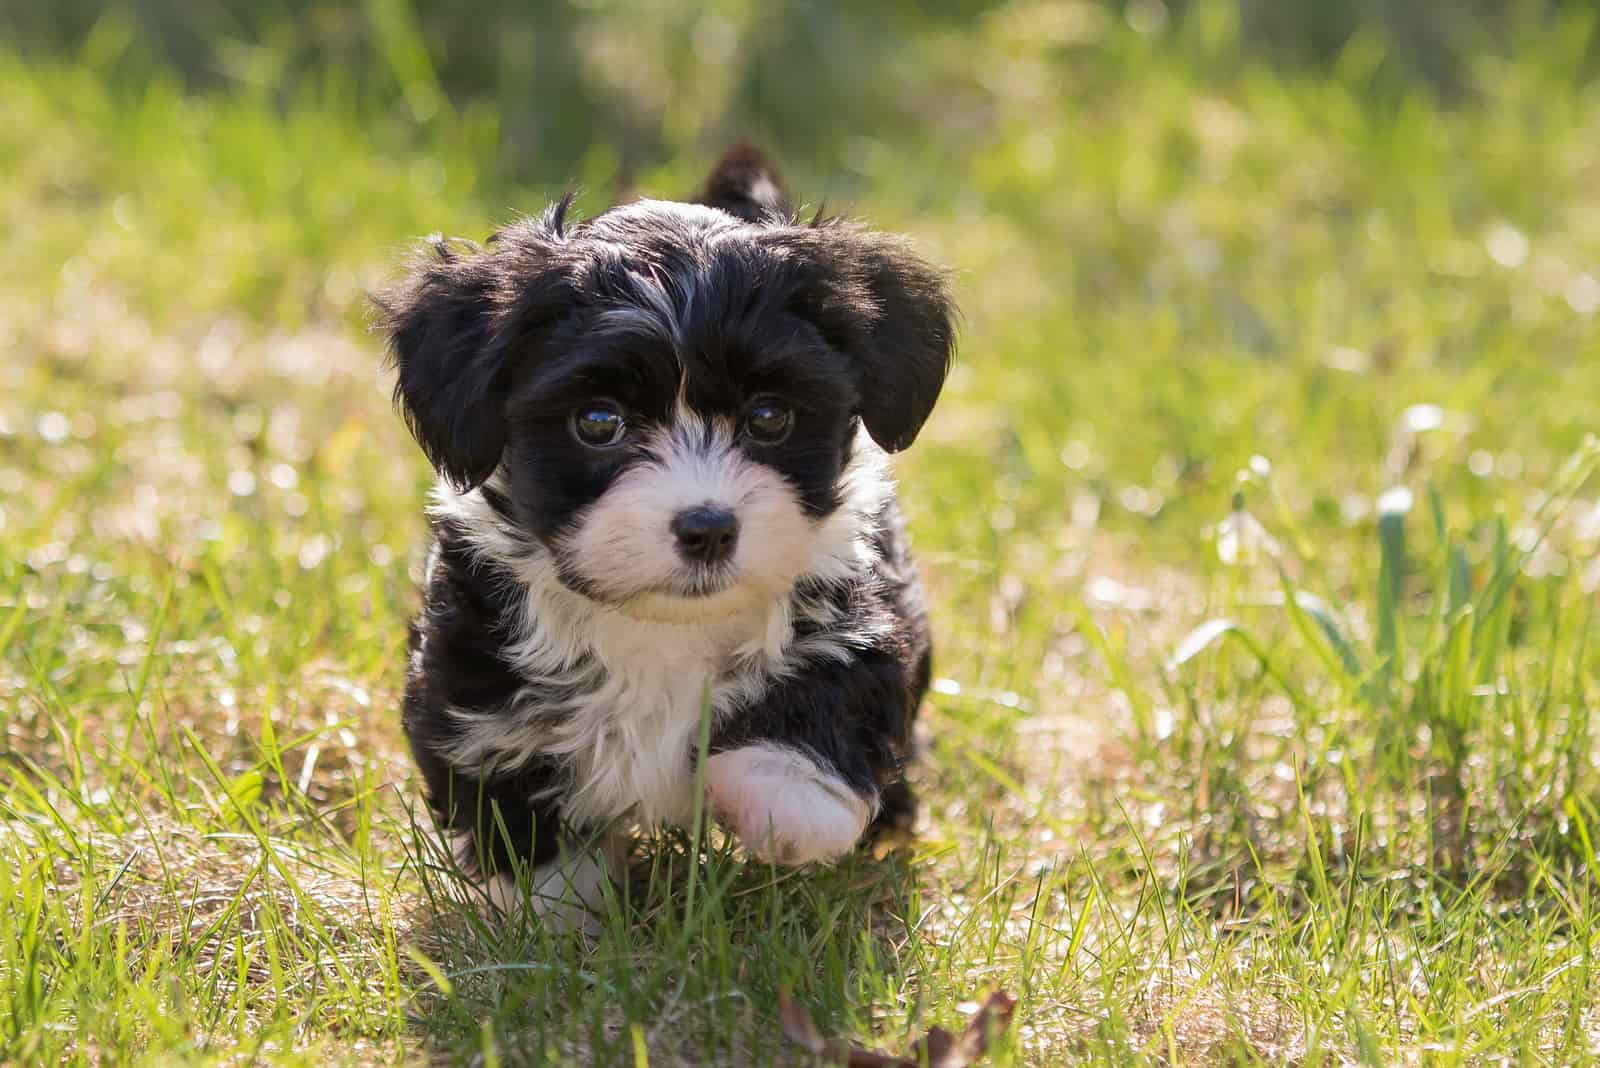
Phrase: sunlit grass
(1258,521)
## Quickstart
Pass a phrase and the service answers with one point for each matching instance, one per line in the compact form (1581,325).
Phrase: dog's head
(667,397)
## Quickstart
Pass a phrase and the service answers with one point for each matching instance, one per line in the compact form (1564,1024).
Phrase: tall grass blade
(1393,507)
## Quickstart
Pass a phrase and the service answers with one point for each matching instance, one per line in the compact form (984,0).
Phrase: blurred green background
(584,89)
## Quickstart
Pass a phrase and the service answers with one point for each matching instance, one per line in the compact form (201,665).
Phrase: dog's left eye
(598,425)
(768,422)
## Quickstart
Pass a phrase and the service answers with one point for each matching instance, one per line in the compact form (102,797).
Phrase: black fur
(455,662)
(855,716)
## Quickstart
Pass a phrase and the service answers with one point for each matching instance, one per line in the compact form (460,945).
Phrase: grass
(1258,518)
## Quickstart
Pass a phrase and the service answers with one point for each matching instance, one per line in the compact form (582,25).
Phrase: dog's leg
(567,893)
(497,831)
(799,774)
(897,812)
(783,805)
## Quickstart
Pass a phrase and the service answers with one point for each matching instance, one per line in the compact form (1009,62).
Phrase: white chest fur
(629,731)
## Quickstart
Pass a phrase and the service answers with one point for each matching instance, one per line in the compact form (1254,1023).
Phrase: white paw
(566,894)
(783,807)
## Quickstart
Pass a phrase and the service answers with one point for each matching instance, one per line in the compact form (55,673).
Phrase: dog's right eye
(599,425)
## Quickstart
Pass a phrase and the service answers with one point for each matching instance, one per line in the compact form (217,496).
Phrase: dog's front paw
(782,806)
(566,894)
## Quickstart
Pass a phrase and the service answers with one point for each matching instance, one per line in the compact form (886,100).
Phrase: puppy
(661,437)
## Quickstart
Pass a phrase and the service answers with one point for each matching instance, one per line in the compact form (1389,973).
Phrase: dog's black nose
(706,535)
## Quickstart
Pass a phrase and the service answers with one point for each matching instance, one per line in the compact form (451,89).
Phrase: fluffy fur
(588,393)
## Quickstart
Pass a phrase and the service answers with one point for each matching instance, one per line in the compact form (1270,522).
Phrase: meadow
(1259,516)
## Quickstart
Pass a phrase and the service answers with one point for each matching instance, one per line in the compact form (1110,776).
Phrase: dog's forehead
(705,293)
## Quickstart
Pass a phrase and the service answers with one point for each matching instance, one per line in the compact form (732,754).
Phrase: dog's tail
(745,183)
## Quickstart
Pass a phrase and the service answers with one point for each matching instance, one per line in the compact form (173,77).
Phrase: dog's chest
(638,735)
(627,731)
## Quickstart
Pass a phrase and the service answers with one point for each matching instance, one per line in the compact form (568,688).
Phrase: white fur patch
(568,894)
(636,682)
(764,191)
(782,806)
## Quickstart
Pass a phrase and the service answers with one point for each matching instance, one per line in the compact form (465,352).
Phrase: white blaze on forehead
(624,546)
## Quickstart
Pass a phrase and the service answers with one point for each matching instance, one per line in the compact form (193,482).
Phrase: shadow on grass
(685,967)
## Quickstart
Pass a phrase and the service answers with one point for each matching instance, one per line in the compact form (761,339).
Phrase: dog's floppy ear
(745,183)
(457,326)
(890,311)
(909,345)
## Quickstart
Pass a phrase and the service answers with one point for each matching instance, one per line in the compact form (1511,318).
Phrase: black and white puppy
(662,435)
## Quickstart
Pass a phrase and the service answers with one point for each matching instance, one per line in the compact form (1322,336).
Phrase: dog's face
(666,398)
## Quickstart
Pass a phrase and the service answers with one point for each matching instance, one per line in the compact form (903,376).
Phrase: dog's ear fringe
(555,216)
(449,249)
(913,340)
(450,321)
(434,328)
(882,302)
